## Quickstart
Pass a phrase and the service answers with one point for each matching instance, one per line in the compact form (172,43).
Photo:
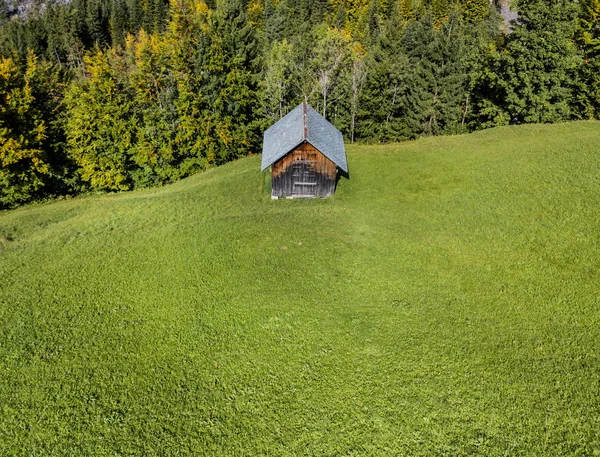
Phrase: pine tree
(159,12)
(382,113)
(154,91)
(437,83)
(101,123)
(340,17)
(357,79)
(587,88)
(372,21)
(481,39)
(274,22)
(118,22)
(422,92)
(407,10)
(452,74)
(319,11)
(228,67)
(589,26)
(535,71)
(476,10)
(440,10)
(190,72)
(135,11)
(5,12)
(96,21)
(30,134)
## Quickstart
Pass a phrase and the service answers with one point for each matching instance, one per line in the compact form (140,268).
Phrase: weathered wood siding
(304,172)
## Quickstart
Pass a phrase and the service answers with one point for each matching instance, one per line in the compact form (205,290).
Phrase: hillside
(444,301)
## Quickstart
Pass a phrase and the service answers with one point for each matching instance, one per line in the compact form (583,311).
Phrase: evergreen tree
(319,10)
(373,21)
(481,40)
(533,75)
(136,13)
(437,82)
(476,10)
(228,67)
(5,12)
(23,166)
(357,79)
(158,15)
(274,21)
(101,123)
(440,10)
(587,88)
(31,159)
(298,18)
(154,153)
(118,22)
(340,17)
(382,101)
(96,21)
(407,10)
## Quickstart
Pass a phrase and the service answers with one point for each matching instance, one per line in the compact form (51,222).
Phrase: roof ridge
(304,121)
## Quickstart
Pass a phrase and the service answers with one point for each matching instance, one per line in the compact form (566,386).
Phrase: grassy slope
(445,301)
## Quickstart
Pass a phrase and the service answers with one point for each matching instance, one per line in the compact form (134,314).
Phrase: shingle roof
(303,124)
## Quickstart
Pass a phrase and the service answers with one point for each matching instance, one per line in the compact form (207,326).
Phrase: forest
(111,95)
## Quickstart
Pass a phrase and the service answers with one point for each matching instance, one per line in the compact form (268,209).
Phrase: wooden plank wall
(305,164)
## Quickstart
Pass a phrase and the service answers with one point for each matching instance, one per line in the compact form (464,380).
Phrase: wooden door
(304,173)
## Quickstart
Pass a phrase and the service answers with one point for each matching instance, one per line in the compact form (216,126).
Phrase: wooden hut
(305,153)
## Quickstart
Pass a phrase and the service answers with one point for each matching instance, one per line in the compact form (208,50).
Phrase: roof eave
(264,166)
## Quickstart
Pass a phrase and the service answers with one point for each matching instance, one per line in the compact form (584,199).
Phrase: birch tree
(277,81)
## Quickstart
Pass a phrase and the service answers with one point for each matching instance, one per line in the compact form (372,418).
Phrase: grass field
(446,301)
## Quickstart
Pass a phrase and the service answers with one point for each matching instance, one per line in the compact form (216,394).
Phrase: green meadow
(445,301)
